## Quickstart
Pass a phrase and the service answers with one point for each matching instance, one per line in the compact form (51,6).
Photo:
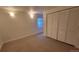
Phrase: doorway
(39,23)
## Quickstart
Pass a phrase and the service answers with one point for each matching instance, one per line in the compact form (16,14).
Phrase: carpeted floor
(37,43)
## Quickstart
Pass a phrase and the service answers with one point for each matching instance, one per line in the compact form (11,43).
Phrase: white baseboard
(76,46)
(19,37)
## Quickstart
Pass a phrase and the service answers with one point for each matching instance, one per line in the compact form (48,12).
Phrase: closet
(63,25)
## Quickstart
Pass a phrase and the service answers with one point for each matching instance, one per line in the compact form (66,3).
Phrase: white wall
(13,28)
(0,41)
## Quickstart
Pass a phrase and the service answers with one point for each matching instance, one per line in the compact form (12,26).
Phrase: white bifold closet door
(62,25)
(73,27)
(48,25)
(52,25)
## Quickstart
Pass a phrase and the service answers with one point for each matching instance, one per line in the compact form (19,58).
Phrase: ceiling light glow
(12,14)
(31,13)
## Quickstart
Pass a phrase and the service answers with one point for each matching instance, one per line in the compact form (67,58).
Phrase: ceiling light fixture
(12,14)
(31,13)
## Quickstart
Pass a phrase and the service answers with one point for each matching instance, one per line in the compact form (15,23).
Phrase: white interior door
(62,26)
(73,27)
(49,27)
(54,25)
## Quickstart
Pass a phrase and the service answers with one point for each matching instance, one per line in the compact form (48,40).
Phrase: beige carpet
(37,43)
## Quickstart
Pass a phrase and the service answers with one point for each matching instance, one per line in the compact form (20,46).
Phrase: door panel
(73,27)
(49,27)
(54,25)
(63,18)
